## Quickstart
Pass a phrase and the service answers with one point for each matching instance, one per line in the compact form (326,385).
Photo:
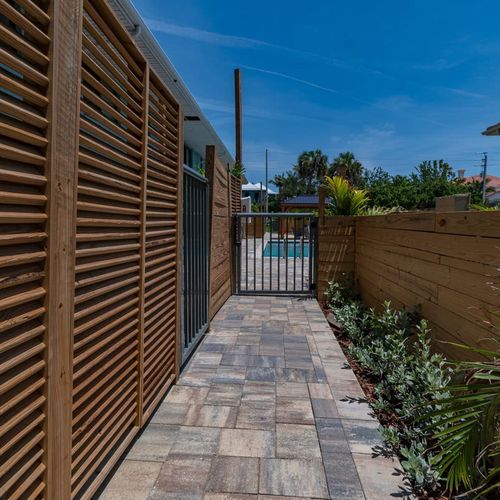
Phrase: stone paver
(267,408)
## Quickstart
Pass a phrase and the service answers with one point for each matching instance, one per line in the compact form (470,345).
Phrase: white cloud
(204,36)
(394,103)
(438,65)
(465,93)
(235,41)
(293,78)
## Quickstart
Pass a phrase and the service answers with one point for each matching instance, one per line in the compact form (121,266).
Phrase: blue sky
(394,82)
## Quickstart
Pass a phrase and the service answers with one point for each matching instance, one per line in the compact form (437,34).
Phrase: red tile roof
(493,180)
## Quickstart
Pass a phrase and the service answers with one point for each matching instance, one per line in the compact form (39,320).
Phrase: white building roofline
(197,134)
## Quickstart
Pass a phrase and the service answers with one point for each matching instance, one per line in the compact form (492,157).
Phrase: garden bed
(407,386)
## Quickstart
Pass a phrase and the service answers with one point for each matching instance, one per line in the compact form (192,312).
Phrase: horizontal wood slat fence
(90,233)
(443,265)
(225,200)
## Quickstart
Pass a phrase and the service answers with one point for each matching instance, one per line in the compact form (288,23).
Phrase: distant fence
(442,265)
(90,234)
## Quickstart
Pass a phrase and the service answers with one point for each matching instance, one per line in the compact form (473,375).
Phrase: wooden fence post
(62,172)
(142,282)
(210,174)
(230,209)
(322,196)
(179,243)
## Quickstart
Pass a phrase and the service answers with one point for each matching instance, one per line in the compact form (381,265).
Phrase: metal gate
(275,253)
(196,241)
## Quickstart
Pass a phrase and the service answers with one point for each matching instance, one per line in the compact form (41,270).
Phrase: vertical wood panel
(142,270)
(180,236)
(336,251)
(25,164)
(90,204)
(161,242)
(221,186)
(62,163)
(107,332)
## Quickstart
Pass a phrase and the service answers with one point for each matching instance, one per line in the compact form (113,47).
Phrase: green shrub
(394,347)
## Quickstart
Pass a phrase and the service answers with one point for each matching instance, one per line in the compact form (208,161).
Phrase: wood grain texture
(109,267)
(64,96)
(336,245)
(31,51)
(223,188)
(444,266)
(162,268)
(90,182)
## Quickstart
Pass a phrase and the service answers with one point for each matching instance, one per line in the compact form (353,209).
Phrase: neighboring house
(198,132)
(306,203)
(492,184)
(493,181)
(255,191)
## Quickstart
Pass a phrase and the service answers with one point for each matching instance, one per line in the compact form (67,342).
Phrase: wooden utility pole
(267,182)
(237,106)
(485,180)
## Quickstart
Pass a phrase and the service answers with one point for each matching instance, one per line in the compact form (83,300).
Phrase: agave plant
(469,421)
(344,199)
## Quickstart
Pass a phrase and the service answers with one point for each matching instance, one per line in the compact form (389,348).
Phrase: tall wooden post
(322,196)
(237,105)
(62,174)
(142,271)
(179,243)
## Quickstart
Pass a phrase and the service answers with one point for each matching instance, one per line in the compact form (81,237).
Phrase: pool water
(293,249)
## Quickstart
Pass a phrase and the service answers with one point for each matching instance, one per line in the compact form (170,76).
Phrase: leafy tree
(346,165)
(289,184)
(416,191)
(475,188)
(385,190)
(433,179)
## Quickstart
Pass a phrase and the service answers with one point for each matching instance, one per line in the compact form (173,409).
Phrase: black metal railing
(275,253)
(196,243)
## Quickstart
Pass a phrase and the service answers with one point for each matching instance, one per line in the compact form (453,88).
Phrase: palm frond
(467,427)
(345,200)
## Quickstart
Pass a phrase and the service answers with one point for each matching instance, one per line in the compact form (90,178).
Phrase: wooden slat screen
(24,63)
(90,230)
(235,194)
(161,239)
(221,183)
(108,244)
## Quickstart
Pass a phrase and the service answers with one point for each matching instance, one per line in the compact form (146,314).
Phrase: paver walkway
(267,407)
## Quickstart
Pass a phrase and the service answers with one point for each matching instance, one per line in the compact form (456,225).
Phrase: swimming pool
(293,249)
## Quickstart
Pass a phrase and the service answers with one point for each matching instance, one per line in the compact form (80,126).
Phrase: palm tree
(312,166)
(346,165)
